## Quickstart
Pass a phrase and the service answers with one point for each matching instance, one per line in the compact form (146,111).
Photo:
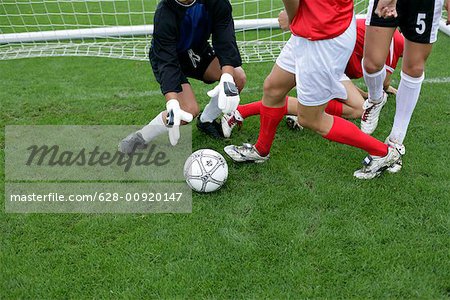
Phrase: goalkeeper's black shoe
(213,129)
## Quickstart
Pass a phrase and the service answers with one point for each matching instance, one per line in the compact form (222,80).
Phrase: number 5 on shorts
(420,29)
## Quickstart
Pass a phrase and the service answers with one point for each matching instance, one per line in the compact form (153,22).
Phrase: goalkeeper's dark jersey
(178,29)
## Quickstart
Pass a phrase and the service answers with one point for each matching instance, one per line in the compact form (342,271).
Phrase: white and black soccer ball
(205,171)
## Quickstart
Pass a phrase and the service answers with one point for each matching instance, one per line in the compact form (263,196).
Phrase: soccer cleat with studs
(397,166)
(373,166)
(245,153)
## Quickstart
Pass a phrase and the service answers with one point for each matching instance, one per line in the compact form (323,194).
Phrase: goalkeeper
(180,49)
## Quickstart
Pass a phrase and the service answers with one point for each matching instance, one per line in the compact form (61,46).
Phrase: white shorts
(318,66)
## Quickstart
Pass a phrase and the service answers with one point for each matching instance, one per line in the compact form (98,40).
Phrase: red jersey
(322,19)
(354,68)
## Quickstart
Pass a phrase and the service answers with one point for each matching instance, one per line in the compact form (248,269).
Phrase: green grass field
(298,226)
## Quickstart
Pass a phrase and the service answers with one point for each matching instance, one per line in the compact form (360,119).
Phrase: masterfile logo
(54,156)
(82,166)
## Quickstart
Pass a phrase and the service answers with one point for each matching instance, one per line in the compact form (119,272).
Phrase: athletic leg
(351,108)
(412,76)
(338,129)
(342,131)
(376,49)
(353,105)
(211,110)
(420,28)
(273,108)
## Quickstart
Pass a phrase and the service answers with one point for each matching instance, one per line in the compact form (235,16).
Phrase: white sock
(374,84)
(154,128)
(406,100)
(211,111)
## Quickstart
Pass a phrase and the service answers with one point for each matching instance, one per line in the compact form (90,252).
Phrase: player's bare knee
(413,70)
(272,91)
(371,66)
(240,78)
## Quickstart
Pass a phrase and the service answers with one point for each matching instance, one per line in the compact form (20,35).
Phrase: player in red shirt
(313,61)
(350,108)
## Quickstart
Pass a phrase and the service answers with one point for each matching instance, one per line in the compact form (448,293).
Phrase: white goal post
(115,31)
(123,28)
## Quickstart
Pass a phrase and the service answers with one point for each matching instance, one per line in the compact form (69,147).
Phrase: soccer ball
(205,171)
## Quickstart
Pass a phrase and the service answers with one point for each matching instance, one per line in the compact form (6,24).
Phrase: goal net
(122,28)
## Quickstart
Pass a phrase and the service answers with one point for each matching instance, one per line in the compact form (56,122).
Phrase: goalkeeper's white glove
(227,92)
(174,117)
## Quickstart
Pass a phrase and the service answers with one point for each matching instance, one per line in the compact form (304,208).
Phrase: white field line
(152,93)
(437,80)
(431,80)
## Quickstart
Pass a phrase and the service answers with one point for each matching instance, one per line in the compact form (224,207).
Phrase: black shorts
(193,63)
(418,19)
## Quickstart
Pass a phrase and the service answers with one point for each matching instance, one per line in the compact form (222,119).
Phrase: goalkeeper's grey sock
(374,84)
(211,111)
(154,128)
(406,100)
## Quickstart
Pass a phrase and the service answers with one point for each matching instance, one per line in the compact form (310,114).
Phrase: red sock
(270,118)
(334,107)
(345,132)
(250,109)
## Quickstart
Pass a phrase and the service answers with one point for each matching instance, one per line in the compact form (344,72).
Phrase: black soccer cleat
(213,129)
